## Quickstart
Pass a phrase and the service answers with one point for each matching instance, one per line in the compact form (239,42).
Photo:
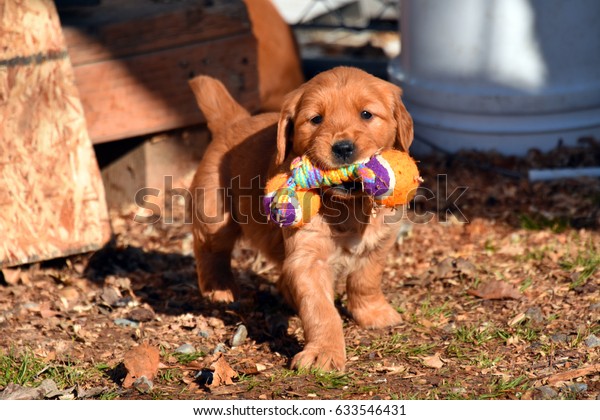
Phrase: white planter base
(506,75)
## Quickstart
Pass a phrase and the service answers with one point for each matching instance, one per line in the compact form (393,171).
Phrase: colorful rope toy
(390,177)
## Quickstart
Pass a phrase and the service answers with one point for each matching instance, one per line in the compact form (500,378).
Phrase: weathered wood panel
(149,93)
(132,61)
(120,28)
(51,194)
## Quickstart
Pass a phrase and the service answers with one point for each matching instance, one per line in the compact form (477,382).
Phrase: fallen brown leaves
(433,361)
(495,289)
(528,322)
(223,374)
(140,361)
(573,374)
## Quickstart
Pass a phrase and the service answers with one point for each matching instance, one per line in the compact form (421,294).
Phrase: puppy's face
(343,116)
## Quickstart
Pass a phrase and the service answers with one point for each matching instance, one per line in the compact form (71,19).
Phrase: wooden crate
(51,194)
(161,166)
(132,61)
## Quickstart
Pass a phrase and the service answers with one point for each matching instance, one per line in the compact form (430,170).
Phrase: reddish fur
(279,68)
(342,241)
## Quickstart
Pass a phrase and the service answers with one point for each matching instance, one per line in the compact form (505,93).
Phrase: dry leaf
(47,389)
(495,289)
(46,312)
(391,370)
(573,374)
(11,276)
(454,267)
(223,373)
(517,319)
(433,361)
(69,297)
(140,361)
(512,340)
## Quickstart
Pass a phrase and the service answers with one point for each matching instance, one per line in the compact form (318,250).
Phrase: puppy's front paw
(324,358)
(376,317)
(220,296)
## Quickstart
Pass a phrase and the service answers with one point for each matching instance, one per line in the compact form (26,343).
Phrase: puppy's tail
(215,102)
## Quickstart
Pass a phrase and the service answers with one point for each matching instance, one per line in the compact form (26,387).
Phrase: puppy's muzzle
(343,151)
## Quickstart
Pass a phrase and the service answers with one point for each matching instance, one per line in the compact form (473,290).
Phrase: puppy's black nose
(343,150)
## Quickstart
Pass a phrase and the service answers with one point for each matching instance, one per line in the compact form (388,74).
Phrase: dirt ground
(497,280)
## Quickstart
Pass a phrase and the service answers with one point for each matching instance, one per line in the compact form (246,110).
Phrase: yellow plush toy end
(288,206)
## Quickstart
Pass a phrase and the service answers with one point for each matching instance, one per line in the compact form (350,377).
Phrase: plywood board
(51,194)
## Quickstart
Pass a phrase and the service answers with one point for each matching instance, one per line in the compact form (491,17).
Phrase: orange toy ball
(406,178)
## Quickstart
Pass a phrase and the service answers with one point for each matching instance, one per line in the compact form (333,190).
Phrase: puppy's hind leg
(215,234)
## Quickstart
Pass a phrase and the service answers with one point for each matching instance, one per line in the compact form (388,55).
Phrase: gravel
(240,335)
(185,349)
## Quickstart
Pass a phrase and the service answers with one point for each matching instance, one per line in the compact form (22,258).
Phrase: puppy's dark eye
(317,119)
(366,115)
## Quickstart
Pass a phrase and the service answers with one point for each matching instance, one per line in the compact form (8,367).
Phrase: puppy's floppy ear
(404,122)
(285,127)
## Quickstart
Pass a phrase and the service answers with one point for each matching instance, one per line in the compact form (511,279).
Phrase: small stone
(185,349)
(577,387)
(595,307)
(141,315)
(592,341)
(535,314)
(220,348)
(143,384)
(544,393)
(240,335)
(559,338)
(31,306)
(122,322)
(203,334)
(110,296)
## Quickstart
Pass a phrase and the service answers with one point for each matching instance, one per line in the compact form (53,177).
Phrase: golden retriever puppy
(341,116)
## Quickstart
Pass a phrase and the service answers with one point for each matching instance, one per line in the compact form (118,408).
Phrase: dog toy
(391,178)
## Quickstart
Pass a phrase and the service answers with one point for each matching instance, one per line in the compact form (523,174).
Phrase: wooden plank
(51,194)
(132,61)
(148,93)
(120,29)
